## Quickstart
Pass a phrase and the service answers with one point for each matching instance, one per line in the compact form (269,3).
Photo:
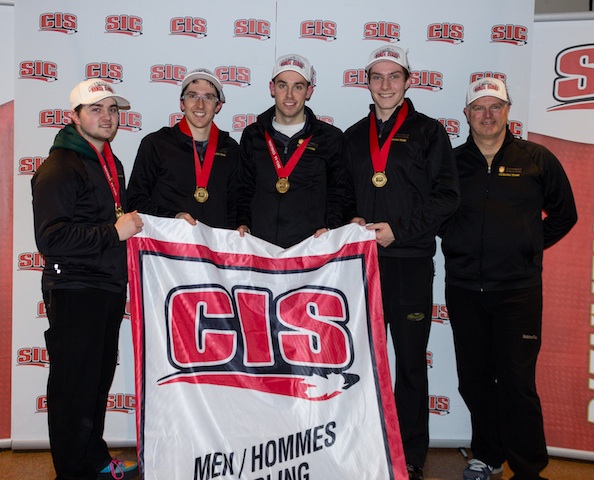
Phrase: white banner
(254,362)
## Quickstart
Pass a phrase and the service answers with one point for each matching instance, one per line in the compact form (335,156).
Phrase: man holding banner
(402,171)
(189,170)
(292,181)
(493,248)
(81,230)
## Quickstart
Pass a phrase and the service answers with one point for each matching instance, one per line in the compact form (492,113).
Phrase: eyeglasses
(194,97)
(497,108)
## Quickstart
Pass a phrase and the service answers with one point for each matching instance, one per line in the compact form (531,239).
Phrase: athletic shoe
(414,473)
(478,470)
(119,470)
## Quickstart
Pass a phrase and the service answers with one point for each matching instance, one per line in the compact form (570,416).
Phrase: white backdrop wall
(145,49)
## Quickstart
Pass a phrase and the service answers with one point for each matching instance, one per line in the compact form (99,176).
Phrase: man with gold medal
(292,182)
(81,229)
(401,169)
(189,170)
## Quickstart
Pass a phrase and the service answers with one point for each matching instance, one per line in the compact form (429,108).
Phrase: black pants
(497,337)
(82,343)
(407,291)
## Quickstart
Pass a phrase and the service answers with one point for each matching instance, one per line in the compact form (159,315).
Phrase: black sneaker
(414,473)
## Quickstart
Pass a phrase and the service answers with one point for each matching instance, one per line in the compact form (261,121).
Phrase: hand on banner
(243,229)
(128,225)
(383,233)
(320,232)
(187,217)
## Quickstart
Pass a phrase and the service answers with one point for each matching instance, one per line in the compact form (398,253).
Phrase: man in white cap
(189,170)
(292,179)
(81,228)
(493,248)
(401,169)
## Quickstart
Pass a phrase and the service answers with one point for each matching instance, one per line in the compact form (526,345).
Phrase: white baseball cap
(204,74)
(487,87)
(389,53)
(295,63)
(94,90)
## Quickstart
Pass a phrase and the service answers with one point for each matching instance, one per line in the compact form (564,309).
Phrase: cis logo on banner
(509,33)
(430,80)
(254,28)
(58,22)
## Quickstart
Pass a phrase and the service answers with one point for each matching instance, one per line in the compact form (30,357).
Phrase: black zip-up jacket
(74,218)
(422,188)
(495,240)
(163,179)
(316,197)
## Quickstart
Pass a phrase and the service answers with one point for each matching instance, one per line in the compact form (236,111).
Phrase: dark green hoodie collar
(70,139)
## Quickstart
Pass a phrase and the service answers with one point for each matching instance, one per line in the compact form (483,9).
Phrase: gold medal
(201,194)
(379,179)
(119,211)
(282,185)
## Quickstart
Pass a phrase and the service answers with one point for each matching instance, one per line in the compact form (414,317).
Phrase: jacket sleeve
(246,181)
(444,196)
(144,176)
(559,204)
(64,226)
(338,186)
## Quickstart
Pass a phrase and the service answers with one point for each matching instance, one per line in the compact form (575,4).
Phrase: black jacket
(495,240)
(316,197)
(163,180)
(74,216)
(422,188)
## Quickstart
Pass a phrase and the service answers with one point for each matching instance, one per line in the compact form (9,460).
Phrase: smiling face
(487,117)
(387,83)
(97,122)
(290,91)
(200,103)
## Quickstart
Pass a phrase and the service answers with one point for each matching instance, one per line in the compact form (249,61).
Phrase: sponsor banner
(561,118)
(254,362)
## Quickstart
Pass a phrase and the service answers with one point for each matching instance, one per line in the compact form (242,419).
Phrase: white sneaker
(478,470)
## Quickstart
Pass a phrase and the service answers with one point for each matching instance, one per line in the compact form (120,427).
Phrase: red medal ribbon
(202,171)
(379,158)
(110,171)
(285,171)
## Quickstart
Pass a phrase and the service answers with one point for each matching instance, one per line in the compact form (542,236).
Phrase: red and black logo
(512,34)
(188,26)
(429,357)
(121,403)
(452,127)
(478,75)
(110,72)
(234,75)
(130,121)
(318,29)
(167,73)
(33,357)
(41,311)
(574,85)
(439,404)
(124,24)
(29,165)
(426,80)
(440,314)
(516,128)
(175,118)
(252,28)
(251,331)
(38,70)
(242,120)
(58,22)
(31,261)
(445,32)
(54,118)
(354,78)
(384,31)
(326,119)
